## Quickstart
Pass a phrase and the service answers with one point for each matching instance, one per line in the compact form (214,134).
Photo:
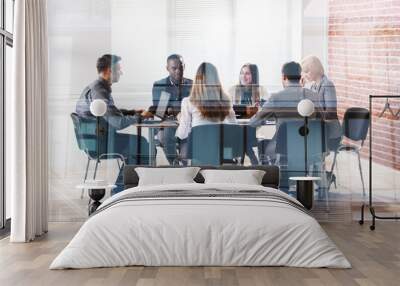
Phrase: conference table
(151,126)
(266,131)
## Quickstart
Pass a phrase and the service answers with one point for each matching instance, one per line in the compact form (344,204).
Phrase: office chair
(86,137)
(216,144)
(291,154)
(355,127)
(250,134)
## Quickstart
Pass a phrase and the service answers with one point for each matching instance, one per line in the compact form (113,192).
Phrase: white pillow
(166,176)
(247,177)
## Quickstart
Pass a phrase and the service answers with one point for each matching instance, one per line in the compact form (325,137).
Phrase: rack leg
(372,227)
(361,221)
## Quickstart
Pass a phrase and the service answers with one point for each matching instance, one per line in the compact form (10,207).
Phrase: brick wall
(363,59)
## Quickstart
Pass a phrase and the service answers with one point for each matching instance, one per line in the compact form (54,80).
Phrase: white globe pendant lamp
(305,108)
(98,108)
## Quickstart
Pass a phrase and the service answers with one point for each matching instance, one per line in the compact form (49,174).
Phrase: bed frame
(270,179)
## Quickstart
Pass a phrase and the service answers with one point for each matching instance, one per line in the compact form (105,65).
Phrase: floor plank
(375,257)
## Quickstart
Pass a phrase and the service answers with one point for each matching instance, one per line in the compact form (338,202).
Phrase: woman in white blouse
(207,104)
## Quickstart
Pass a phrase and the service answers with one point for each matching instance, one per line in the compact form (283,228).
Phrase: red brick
(364,59)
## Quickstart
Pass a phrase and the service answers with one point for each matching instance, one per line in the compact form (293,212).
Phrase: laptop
(161,109)
(240,110)
(162,105)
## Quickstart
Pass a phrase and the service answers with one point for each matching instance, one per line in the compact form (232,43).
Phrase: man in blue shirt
(178,88)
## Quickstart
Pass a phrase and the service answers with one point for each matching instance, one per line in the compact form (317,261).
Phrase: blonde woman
(207,104)
(313,77)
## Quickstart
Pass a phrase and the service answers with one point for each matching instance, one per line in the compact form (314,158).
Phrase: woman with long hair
(248,91)
(207,104)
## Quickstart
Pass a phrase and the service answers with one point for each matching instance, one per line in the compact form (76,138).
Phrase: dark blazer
(282,106)
(177,92)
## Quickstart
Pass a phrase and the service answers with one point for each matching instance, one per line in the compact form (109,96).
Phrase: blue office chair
(86,137)
(216,144)
(355,127)
(251,141)
(291,154)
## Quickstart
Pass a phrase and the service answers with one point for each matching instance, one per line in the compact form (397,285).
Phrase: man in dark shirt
(109,70)
(178,87)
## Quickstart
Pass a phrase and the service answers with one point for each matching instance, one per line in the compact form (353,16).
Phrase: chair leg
(120,164)
(361,174)
(320,171)
(332,167)
(325,185)
(87,169)
(86,174)
(277,160)
(95,170)
(336,169)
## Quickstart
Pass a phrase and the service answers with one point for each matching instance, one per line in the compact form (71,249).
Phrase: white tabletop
(95,187)
(307,178)
(132,129)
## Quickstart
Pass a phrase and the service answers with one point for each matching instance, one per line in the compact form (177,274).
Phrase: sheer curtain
(28,116)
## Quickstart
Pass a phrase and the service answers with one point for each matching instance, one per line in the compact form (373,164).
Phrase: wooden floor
(375,257)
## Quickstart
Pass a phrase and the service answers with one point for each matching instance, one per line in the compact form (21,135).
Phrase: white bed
(185,230)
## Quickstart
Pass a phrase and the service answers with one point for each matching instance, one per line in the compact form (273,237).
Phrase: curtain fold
(28,153)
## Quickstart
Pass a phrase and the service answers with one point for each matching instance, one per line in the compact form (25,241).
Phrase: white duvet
(200,231)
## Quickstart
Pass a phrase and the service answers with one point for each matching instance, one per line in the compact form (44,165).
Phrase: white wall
(139,34)
(315,30)
(203,31)
(267,33)
(79,31)
(225,32)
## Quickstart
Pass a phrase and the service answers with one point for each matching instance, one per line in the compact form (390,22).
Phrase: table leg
(96,195)
(138,146)
(152,155)
(305,193)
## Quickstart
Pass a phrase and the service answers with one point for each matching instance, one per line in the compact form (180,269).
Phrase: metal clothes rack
(370,205)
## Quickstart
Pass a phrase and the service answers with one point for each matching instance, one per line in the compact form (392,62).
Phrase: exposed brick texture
(364,59)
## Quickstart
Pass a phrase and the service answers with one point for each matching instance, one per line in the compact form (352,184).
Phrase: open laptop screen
(163,104)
